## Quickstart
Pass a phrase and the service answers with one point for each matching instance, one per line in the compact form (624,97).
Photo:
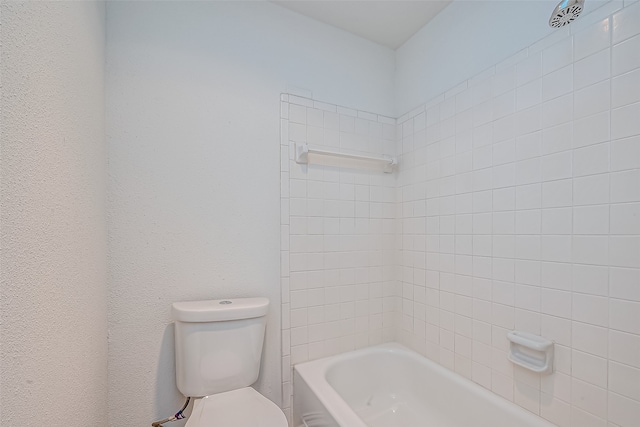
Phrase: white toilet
(218,352)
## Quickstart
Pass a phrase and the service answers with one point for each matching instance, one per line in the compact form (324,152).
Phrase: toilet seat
(244,407)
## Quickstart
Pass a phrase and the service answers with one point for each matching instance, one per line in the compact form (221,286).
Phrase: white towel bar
(303,151)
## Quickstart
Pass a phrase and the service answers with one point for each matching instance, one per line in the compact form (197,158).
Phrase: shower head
(565,12)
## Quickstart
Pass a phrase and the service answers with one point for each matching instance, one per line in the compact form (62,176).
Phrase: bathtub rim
(314,373)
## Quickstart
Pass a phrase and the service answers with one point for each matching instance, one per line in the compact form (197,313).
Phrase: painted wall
(53,356)
(465,39)
(520,192)
(194,161)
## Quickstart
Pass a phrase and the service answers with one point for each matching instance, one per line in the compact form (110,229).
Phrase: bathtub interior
(394,387)
(385,391)
(390,390)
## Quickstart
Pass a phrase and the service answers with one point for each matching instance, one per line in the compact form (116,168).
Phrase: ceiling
(389,23)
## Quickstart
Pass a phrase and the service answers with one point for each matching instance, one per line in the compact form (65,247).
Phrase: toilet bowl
(218,352)
(238,408)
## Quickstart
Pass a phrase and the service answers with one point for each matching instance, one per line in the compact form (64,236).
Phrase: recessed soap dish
(531,351)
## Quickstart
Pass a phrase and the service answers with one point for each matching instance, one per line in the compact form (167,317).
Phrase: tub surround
(515,207)
(338,235)
(520,197)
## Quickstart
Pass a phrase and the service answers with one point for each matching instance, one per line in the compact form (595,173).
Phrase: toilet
(218,352)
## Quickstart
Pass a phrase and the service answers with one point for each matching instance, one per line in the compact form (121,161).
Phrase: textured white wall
(194,162)
(53,358)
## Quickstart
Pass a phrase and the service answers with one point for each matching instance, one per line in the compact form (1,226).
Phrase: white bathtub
(392,386)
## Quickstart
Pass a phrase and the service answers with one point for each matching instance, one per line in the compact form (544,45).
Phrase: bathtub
(391,386)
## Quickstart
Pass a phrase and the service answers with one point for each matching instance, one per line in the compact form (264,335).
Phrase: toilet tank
(218,344)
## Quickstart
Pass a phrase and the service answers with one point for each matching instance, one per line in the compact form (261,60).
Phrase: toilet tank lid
(219,309)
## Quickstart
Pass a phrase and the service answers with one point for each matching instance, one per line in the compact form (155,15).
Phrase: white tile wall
(338,245)
(522,210)
(516,206)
